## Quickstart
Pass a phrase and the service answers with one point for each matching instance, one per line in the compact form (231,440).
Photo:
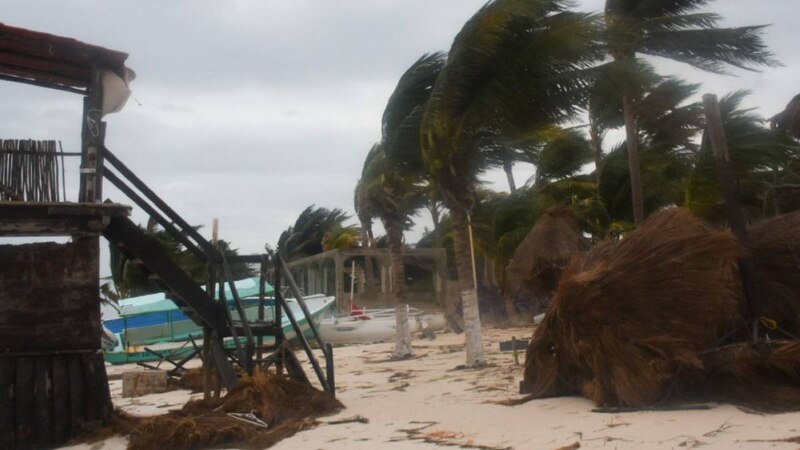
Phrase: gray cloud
(252,110)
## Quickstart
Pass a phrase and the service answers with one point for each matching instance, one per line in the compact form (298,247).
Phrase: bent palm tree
(513,68)
(305,237)
(673,29)
(394,175)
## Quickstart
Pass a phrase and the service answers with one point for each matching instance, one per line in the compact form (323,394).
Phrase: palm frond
(412,90)
(515,66)
(711,49)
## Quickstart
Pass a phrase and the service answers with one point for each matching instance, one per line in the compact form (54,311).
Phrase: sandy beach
(427,401)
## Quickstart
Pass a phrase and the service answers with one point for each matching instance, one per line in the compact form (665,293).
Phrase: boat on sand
(374,325)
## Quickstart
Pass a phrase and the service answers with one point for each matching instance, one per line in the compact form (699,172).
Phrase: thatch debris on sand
(285,405)
(191,379)
(633,322)
(544,253)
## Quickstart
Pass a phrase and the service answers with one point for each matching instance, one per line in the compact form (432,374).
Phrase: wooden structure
(52,374)
(328,273)
(53,383)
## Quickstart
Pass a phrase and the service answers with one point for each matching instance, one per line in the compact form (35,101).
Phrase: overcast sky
(251,110)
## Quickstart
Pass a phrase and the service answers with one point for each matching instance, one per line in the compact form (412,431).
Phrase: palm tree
(668,126)
(672,29)
(394,176)
(306,236)
(365,213)
(763,159)
(513,68)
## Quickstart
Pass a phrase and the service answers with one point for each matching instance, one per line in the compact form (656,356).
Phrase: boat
(153,318)
(168,332)
(373,325)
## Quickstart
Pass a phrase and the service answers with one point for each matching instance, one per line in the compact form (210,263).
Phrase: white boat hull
(374,326)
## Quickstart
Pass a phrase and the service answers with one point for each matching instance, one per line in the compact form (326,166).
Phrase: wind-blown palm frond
(412,91)
(761,158)
(514,67)
(711,49)
(304,238)
(674,29)
(563,155)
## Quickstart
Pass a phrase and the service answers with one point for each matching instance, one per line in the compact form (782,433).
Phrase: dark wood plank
(43,401)
(98,383)
(67,279)
(77,401)
(61,411)
(7,378)
(90,391)
(23,393)
(98,397)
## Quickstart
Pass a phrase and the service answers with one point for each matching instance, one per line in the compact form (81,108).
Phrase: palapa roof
(549,246)
(52,61)
(788,120)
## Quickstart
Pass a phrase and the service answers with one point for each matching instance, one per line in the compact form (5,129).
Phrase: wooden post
(338,272)
(329,368)
(733,209)
(7,412)
(93,131)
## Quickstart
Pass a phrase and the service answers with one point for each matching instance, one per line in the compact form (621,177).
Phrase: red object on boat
(357,312)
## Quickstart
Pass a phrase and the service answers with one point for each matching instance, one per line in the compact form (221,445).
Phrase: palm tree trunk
(433,208)
(469,292)
(632,142)
(507,167)
(369,288)
(394,233)
(597,151)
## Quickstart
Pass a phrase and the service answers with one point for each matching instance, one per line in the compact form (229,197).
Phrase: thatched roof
(544,253)
(788,120)
(640,321)
(776,254)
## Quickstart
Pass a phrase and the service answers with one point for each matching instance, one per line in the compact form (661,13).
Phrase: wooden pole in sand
(208,364)
(733,209)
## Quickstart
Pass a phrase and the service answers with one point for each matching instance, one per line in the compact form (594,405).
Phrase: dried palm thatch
(632,315)
(632,322)
(764,377)
(544,253)
(285,405)
(776,254)
(192,379)
(788,120)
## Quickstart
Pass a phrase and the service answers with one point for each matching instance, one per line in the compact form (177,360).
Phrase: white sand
(408,401)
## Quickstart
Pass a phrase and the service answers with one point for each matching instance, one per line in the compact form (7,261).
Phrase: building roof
(53,61)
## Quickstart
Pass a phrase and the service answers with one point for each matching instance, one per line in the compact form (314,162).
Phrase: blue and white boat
(156,322)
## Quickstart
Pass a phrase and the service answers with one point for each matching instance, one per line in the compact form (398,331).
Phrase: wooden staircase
(198,304)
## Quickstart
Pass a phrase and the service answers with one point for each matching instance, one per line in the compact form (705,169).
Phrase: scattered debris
(354,419)
(790,440)
(403,375)
(283,405)
(443,437)
(574,446)
(720,429)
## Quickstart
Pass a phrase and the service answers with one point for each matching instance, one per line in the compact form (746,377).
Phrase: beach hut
(540,259)
(788,120)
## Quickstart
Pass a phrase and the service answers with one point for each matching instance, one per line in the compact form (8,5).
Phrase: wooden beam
(92,142)
(56,219)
